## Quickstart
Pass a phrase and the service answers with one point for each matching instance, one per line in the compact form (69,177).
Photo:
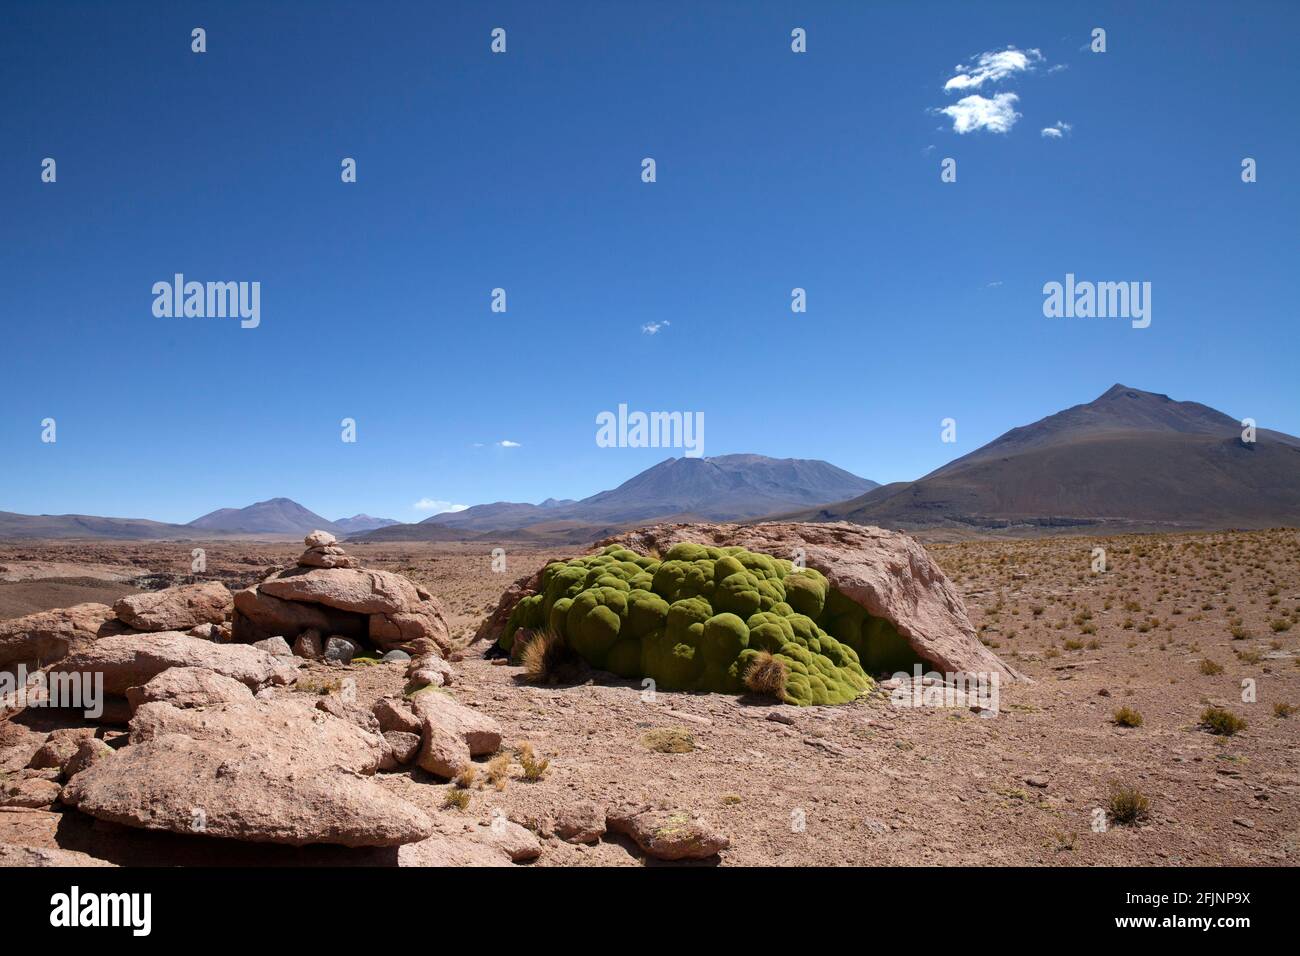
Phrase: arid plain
(1174,625)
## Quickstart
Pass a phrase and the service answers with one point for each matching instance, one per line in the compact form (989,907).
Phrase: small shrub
(1128,717)
(534,767)
(1128,806)
(455,799)
(1209,668)
(1281,709)
(1222,722)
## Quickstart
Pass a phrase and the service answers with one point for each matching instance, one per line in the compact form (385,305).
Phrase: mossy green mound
(698,618)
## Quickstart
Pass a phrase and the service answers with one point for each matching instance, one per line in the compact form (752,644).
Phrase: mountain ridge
(1128,458)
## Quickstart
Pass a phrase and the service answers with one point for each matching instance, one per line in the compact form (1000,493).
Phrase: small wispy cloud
(994,284)
(437,506)
(1058,67)
(652,328)
(1056,130)
(507,443)
(997,114)
(992,66)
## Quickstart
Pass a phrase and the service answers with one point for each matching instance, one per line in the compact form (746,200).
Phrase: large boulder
(359,590)
(176,609)
(48,636)
(668,834)
(436,709)
(188,687)
(222,789)
(889,574)
(275,771)
(133,660)
(294,731)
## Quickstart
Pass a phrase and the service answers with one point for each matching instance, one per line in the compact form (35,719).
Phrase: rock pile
(48,636)
(326,597)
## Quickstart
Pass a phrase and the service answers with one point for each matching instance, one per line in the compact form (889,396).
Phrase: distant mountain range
(276,517)
(1128,459)
(725,488)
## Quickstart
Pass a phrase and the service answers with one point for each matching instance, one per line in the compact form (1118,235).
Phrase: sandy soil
(871,783)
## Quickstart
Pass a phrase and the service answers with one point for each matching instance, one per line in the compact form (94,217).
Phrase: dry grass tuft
(534,767)
(547,659)
(767,676)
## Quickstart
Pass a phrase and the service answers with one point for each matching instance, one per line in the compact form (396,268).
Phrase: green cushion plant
(700,617)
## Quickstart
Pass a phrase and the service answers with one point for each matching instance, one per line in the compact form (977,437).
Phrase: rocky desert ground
(1123,665)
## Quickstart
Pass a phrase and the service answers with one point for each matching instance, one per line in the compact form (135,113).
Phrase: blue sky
(775,170)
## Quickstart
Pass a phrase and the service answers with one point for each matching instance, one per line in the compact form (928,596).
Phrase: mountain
(358,523)
(275,516)
(725,488)
(1127,459)
(14,526)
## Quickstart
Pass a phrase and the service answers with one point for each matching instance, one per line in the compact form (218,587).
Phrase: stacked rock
(327,595)
(323,552)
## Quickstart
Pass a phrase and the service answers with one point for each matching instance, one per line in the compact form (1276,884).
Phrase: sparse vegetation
(455,799)
(1128,717)
(498,770)
(1209,668)
(1222,722)
(534,766)
(1128,806)
(466,778)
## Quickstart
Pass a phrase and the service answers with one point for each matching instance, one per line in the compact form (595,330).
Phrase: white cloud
(507,443)
(970,113)
(993,66)
(436,507)
(1057,129)
(652,328)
